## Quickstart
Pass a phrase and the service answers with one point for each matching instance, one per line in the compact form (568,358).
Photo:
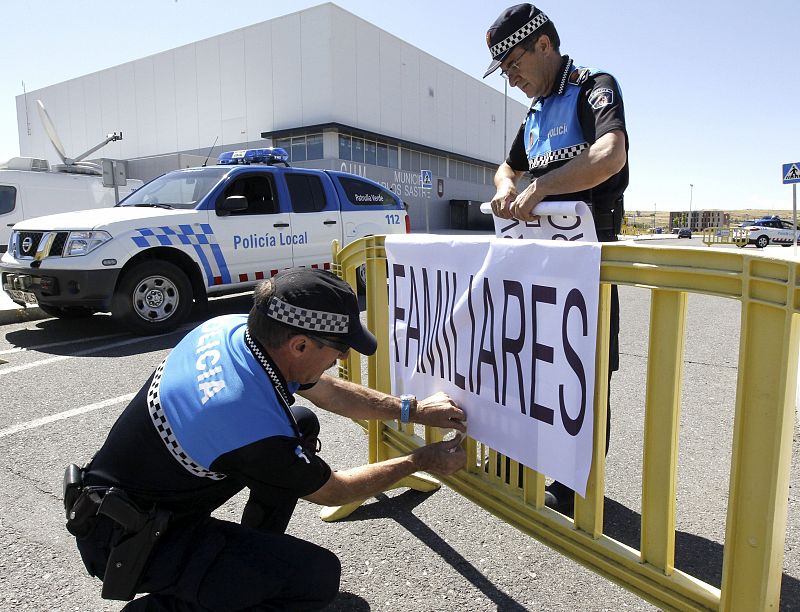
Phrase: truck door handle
(280,225)
(329,223)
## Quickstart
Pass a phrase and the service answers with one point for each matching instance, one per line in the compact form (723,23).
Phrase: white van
(29,188)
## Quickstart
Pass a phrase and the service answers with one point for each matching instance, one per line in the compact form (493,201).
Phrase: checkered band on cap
(164,429)
(520,35)
(312,320)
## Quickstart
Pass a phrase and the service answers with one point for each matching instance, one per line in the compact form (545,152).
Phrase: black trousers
(210,564)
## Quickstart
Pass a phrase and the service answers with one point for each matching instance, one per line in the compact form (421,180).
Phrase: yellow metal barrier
(726,235)
(769,293)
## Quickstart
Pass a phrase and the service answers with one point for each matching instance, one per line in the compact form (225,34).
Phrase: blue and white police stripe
(199,236)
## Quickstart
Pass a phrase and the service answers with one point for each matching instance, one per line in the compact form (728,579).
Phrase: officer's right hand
(442,458)
(502,200)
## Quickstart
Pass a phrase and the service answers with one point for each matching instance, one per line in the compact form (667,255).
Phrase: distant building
(334,90)
(700,219)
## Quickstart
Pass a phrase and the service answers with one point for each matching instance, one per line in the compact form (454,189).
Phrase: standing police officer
(572,144)
(216,417)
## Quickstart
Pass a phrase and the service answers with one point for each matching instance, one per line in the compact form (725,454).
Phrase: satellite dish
(73,166)
(50,128)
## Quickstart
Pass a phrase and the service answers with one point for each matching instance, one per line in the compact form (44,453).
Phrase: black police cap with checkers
(319,302)
(513,26)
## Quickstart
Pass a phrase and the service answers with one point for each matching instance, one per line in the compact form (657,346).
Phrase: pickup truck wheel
(67,312)
(361,278)
(153,297)
(762,241)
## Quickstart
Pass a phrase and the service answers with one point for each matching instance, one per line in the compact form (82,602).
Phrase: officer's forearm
(599,162)
(363,482)
(352,401)
(506,176)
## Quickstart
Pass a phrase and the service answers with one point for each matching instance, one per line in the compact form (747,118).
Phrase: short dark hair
(268,331)
(549,28)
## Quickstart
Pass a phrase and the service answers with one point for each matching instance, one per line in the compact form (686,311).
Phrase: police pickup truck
(192,233)
(768,230)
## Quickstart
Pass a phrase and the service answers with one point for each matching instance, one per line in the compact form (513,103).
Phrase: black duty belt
(141,530)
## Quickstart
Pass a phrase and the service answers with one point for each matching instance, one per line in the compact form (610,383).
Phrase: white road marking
(8,431)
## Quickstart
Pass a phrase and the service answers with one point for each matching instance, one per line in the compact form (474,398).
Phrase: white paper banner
(557,221)
(507,328)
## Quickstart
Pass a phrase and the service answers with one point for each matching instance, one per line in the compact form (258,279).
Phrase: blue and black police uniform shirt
(583,106)
(212,419)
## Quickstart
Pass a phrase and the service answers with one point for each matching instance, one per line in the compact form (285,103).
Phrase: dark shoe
(560,498)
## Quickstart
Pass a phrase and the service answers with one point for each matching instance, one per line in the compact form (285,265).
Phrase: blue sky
(711,90)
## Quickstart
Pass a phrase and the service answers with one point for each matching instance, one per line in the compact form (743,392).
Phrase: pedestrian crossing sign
(791,173)
(427,179)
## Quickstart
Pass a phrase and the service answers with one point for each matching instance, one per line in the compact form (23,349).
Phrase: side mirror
(234,203)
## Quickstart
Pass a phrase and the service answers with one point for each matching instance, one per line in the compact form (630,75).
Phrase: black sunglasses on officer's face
(334,344)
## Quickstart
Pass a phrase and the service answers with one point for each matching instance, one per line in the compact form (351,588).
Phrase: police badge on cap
(513,26)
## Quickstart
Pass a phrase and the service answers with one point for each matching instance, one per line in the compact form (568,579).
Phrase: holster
(140,530)
(129,556)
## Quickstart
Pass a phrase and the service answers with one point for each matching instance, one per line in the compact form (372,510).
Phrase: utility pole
(691,189)
(654,217)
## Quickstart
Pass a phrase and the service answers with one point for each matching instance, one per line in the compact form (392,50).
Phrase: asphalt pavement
(65,382)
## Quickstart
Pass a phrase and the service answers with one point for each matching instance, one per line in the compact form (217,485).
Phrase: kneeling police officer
(217,416)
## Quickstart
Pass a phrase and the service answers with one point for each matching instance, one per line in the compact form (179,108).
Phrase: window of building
(405,159)
(382,155)
(345,147)
(424,161)
(358,150)
(394,157)
(415,161)
(306,192)
(314,146)
(298,149)
(284,143)
(370,152)
(8,198)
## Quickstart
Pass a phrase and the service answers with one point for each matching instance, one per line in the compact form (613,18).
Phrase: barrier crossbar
(769,294)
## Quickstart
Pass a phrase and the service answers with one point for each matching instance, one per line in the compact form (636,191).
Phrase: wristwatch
(405,407)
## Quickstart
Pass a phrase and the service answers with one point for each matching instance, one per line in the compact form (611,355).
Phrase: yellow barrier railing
(767,375)
(726,235)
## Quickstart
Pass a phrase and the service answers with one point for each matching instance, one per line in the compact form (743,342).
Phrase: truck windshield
(181,189)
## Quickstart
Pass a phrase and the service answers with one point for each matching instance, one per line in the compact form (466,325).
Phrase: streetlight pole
(691,189)
(654,217)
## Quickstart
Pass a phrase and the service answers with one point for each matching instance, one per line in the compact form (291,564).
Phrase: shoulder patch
(579,76)
(600,97)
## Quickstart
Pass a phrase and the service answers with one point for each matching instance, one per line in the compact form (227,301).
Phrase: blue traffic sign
(426,178)
(791,173)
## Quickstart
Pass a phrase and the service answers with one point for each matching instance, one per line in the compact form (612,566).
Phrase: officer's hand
(439,410)
(525,202)
(442,458)
(502,200)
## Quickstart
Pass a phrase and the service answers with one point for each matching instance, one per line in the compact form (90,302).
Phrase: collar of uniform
(269,367)
(566,68)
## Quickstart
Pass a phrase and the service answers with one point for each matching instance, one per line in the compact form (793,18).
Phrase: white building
(335,90)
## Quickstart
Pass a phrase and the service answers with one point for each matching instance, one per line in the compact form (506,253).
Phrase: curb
(20,315)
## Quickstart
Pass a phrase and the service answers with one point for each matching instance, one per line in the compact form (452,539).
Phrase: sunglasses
(334,344)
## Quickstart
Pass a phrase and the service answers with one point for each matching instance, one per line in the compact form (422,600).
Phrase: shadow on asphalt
(694,555)
(97,327)
(400,508)
(345,602)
